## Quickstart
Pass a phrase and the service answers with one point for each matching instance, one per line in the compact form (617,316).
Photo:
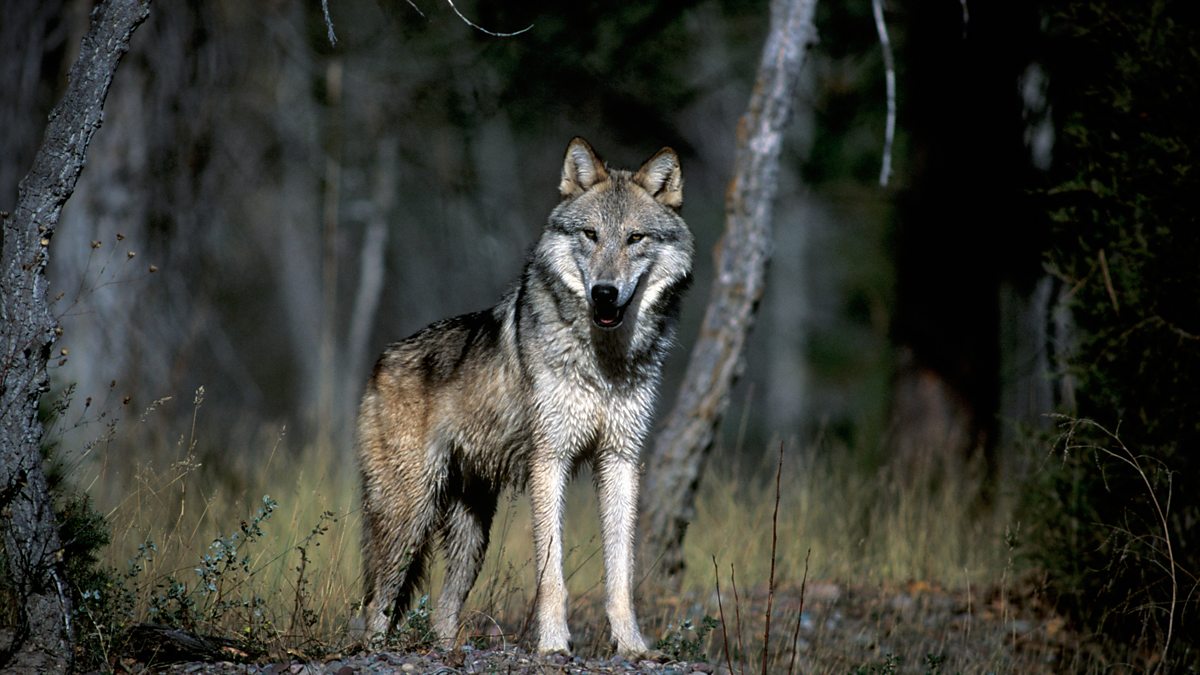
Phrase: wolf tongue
(608,316)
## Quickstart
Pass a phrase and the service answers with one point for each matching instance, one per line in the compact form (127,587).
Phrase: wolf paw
(647,654)
(636,650)
(551,647)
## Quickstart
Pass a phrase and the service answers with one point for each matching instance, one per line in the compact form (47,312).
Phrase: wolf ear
(582,169)
(661,177)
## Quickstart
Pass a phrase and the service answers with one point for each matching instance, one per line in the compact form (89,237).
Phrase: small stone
(408,667)
(702,668)
(823,592)
(903,603)
(1021,626)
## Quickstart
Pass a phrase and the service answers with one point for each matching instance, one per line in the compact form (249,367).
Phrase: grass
(292,582)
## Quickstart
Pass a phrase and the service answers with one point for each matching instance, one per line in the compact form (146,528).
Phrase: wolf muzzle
(607,309)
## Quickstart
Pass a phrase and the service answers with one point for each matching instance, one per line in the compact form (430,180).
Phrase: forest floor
(831,628)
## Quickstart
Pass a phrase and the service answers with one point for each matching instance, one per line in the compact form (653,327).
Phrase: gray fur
(564,370)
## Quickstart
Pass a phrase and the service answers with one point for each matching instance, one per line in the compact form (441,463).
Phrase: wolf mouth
(608,316)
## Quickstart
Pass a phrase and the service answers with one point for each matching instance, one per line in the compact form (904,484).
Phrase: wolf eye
(635,238)
(590,234)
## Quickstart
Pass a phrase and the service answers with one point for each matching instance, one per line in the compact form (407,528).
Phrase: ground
(916,628)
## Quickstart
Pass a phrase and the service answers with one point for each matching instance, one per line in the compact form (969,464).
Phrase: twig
(481,29)
(1108,284)
(328,23)
(799,614)
(298,606)
(537,594)
(1132,460)
(771,577)
(889,66)
(415,8)
(721,611)
(1161,512)
(737,612)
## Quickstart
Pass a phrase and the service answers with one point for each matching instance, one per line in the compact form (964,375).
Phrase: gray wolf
(563,371)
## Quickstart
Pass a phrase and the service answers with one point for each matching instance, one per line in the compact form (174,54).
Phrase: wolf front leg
(617,487)
(547,486)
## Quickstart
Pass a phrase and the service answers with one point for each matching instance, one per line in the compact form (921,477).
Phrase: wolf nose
(604,294)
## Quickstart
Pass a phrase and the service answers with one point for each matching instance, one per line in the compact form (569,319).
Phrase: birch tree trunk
(43,640)
(682,447)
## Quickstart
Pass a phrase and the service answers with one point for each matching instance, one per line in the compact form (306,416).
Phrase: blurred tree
(962,227)
(271,193)
(34,35)
(44,637)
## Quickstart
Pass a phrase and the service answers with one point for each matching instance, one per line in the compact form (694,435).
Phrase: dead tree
(43,638)
(680,450)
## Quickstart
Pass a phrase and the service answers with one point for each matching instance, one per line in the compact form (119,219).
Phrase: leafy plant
(415,632)
(686,641)
(890,665)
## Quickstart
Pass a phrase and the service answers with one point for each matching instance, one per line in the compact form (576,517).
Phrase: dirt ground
(834,628)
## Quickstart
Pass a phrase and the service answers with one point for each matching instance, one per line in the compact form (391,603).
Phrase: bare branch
(481,29)
(889,66)
(329,22)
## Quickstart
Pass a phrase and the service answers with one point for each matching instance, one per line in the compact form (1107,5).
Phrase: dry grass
(860,525)
(856,531)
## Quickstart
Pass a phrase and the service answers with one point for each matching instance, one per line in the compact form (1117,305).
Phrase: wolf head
(616,239)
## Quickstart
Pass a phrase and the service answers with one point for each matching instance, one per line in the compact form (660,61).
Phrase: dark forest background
(1018,308)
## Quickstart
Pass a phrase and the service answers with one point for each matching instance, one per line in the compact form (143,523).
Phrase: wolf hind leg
(465,535)
(397,549)
(393,592)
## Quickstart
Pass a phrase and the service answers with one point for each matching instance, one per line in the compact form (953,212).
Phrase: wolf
(563,371)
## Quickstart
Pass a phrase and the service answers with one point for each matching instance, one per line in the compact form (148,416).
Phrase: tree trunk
(681,449)
(44,636)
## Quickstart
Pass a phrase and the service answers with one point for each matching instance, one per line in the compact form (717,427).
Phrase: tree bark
(43,639)
(682,447)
